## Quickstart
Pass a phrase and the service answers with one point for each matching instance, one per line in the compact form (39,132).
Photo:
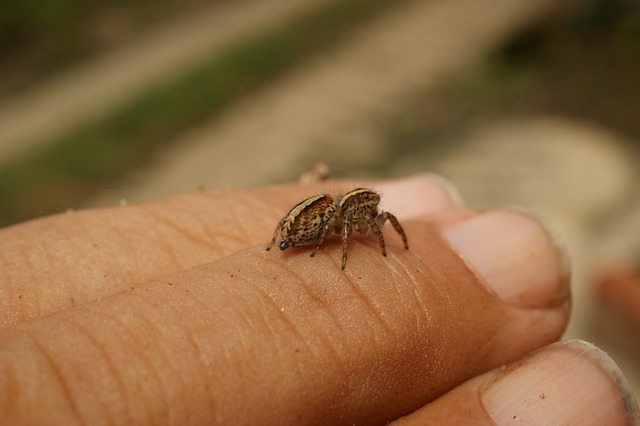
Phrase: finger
(60,261)
(571,383)
(297,339)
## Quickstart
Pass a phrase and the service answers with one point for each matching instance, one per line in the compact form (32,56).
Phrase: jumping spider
(311,220)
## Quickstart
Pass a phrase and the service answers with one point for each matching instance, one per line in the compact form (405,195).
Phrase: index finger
(56,262)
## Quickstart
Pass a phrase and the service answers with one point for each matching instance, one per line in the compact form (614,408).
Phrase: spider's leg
(375,228)
(346,237)
(275,233)
(326,230)
(382,218)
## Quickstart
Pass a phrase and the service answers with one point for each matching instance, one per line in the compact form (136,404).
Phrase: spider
(311,220)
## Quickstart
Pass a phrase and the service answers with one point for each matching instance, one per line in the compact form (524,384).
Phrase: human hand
(173,313)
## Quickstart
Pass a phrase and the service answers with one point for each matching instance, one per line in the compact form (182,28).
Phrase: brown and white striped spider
(310,221)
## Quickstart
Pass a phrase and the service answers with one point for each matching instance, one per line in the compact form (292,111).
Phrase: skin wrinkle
(160,235)
(59,377)
(174,224)
(221,248)
(339,360)
(450,309)
(245,379)
(83,235)
(235,210)
(389,334)
(141,351)
(278,307)
(536,317)
(143,244)
(270,201)
(7,294)
(212,236)
(371,307)
(205,235)
(107,361)
(164,364)
(36,292)
(242,380)
(9,383)
(329,350)
(487,345)
(229,212)
(206,371)
(418,298)
(338,264)
(106,410)
(327,343)
(327,308)
(445,297)
(337,354)
(211,402)
(126,233)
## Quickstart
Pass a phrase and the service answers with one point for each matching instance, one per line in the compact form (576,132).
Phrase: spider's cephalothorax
(310,221)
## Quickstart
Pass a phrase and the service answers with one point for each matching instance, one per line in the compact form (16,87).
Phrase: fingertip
(572,383)
(567,383)
(418,195)
(516,255)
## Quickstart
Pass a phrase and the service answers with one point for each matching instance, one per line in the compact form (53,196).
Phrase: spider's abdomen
(305,223)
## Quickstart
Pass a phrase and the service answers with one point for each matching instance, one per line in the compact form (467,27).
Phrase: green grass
(93,154)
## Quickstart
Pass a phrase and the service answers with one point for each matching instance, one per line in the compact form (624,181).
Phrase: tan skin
(172,312)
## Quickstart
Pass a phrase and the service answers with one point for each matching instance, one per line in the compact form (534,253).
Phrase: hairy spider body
(305,222)
(310,221)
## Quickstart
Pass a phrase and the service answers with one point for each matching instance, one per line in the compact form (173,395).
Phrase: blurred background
(534,104)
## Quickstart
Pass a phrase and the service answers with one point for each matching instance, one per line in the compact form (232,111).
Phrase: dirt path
(94,89)
(328,108)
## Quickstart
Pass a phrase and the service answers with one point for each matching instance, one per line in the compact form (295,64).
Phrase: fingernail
(418,195)
(515,255)
(565,383)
